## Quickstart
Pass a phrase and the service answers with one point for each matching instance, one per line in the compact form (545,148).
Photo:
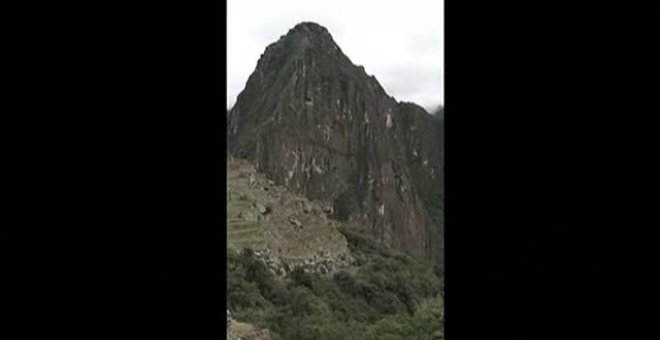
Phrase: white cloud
(401,43)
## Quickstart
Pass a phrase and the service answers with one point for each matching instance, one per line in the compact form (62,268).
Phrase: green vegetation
(436,207)
(390,296)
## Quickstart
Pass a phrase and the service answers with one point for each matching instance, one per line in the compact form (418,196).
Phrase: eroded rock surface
(317,124)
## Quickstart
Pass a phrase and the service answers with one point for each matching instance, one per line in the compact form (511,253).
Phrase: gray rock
(260,207)
(295,222)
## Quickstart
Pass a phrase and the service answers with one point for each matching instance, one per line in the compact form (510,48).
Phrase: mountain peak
(305,35)
(311,34)
(309,27)
(303,41)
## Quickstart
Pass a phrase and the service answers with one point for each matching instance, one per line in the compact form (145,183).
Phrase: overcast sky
(399,42)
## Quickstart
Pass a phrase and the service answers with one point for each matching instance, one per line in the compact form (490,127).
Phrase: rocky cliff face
(319,125)
(424,145)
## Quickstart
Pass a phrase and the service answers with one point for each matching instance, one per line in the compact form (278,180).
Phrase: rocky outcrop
(319,125)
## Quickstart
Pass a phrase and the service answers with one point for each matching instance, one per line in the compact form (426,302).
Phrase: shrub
(391,296)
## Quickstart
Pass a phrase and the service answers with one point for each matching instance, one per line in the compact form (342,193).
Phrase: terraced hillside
(269,219)
(246,331)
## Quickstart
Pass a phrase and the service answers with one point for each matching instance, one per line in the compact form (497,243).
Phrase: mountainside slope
(285,229)
(317,124)
(387,295)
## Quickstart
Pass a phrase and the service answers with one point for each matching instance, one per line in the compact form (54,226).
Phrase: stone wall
(321,262)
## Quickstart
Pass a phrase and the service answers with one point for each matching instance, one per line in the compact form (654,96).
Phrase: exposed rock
(260,207)
(323,264)
(295,222)
(322,127)
(271,223)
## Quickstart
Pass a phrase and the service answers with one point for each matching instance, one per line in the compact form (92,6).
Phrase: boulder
(295,222)
(252,180)
(260,207)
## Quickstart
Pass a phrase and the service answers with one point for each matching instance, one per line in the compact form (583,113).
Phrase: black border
(116,171)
